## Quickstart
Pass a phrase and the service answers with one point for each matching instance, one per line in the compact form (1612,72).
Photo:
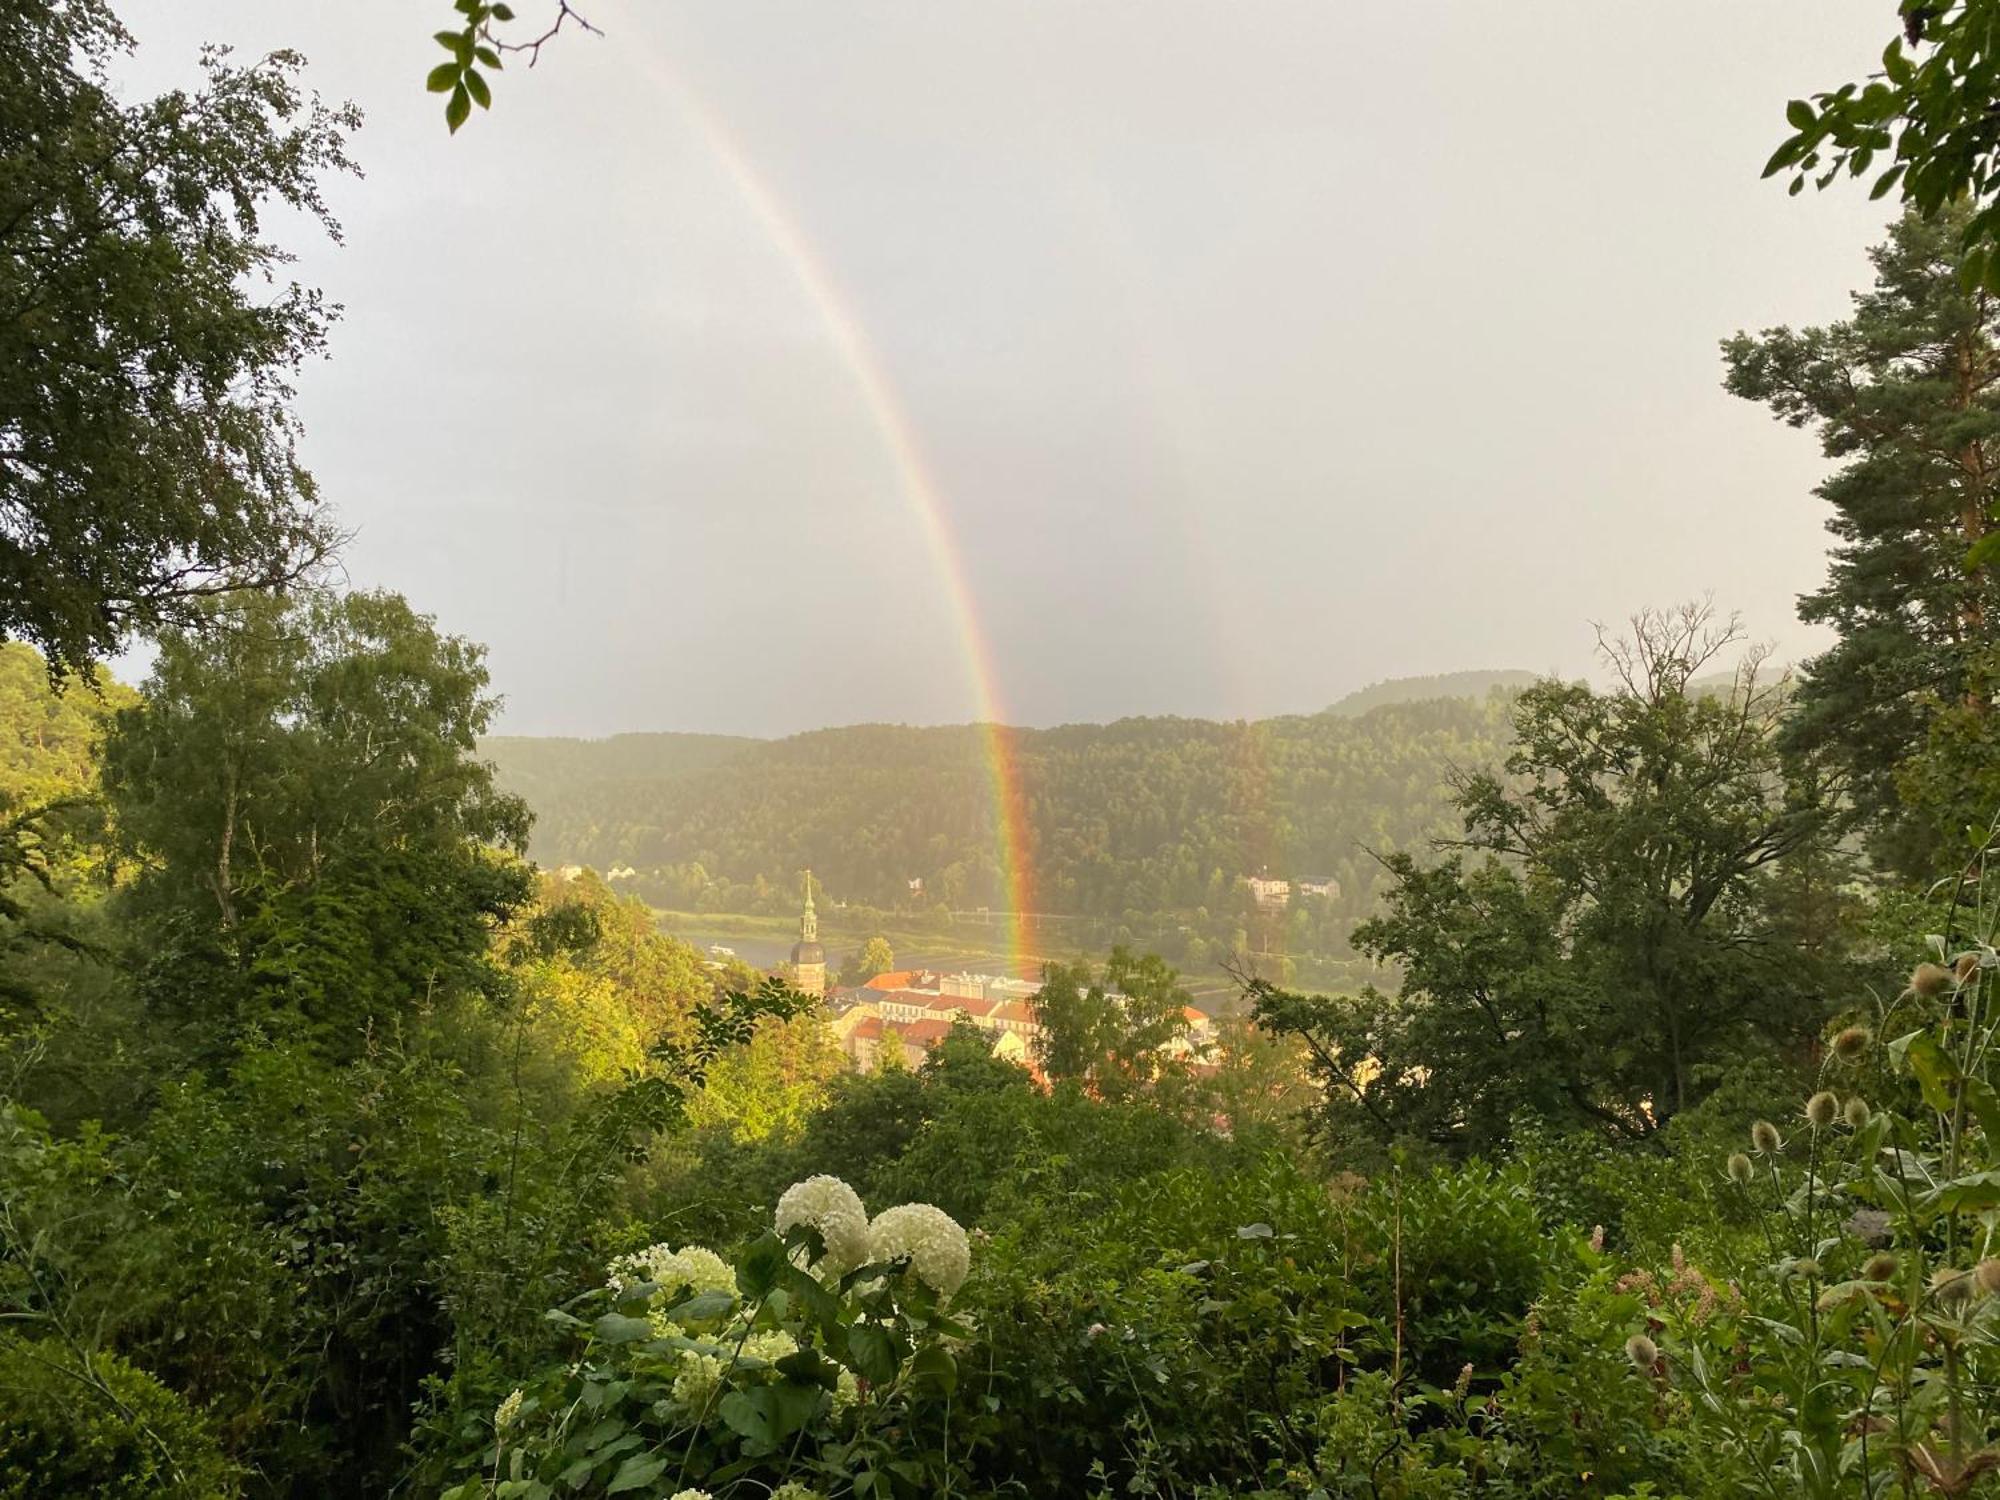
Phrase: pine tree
(1903,395)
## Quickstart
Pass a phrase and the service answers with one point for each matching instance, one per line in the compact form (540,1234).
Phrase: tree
(1115,1034)
(1906,395)
(873,957)
(1614,926)
(1927,117)
(147,339)
(317,835)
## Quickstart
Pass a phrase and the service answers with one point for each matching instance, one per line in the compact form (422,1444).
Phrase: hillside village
(899,1016)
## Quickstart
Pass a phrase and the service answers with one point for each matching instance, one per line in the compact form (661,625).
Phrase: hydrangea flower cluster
(692,1268)
(834,1209)
(936,1246)
(698,1381)
(770,1345)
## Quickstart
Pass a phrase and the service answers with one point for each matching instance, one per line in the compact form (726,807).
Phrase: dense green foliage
(1656,898)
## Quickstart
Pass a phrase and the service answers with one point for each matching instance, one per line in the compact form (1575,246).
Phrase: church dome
(808,953)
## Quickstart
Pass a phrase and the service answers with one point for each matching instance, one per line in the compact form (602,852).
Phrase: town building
(1268,892)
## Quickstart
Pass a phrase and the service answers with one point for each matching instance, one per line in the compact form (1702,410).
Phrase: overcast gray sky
(1256,350)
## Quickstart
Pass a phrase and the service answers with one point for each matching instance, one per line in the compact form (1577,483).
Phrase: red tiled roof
(1013,1010)
(895,979)
(923,1033)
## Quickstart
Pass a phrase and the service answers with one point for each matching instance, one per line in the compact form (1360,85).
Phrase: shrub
(73,1424)
(780,1374)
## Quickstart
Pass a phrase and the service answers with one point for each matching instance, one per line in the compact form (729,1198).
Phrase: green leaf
(1799,115)
(503,12)
(1934,1071)
(934,1363)
(449,40)
(442,77)
(1975,1192)
(616,1328)
(487,56)
(1984,551)
(762,1265)
(1783,157)
(768,1414)
(456,111)
(476,86)
(702,1307)
(639,1469)
(873,1352)
(1887,181)
(807,1367)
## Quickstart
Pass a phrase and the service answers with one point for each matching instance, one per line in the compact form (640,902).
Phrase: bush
(97,1425)
(822,1361)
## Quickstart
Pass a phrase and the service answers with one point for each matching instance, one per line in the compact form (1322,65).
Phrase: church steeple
(808,958)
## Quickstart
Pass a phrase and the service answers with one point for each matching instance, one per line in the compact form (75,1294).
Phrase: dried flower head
(1822,1109)
(1880,1267)
(1850,1042)
(1855,1112)
(1643,1352)
(1868,1225)
(1741,1169)
(1929,979)
(1764,1137)
(1986,1277)
(1951,1286)
(1463,1385)
(1807,1268)
(1965,967)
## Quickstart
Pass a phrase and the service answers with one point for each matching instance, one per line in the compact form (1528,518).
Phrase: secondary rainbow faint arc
(913,473)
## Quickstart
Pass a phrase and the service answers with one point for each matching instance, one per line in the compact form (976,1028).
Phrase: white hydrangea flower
(663,1326)
(932,1239)
(846,1390)
(770,1345)
(699,1379)
(834,1209)
(692,1495)
(791,1489)
(707,1271)
(692,1269)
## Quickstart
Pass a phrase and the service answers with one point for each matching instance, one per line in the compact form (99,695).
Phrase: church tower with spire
(808,958)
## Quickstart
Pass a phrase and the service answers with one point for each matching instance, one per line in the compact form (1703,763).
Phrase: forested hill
(1143,815)
(1421,689)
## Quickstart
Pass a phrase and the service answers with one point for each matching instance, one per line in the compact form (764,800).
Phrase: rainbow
(919,486)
